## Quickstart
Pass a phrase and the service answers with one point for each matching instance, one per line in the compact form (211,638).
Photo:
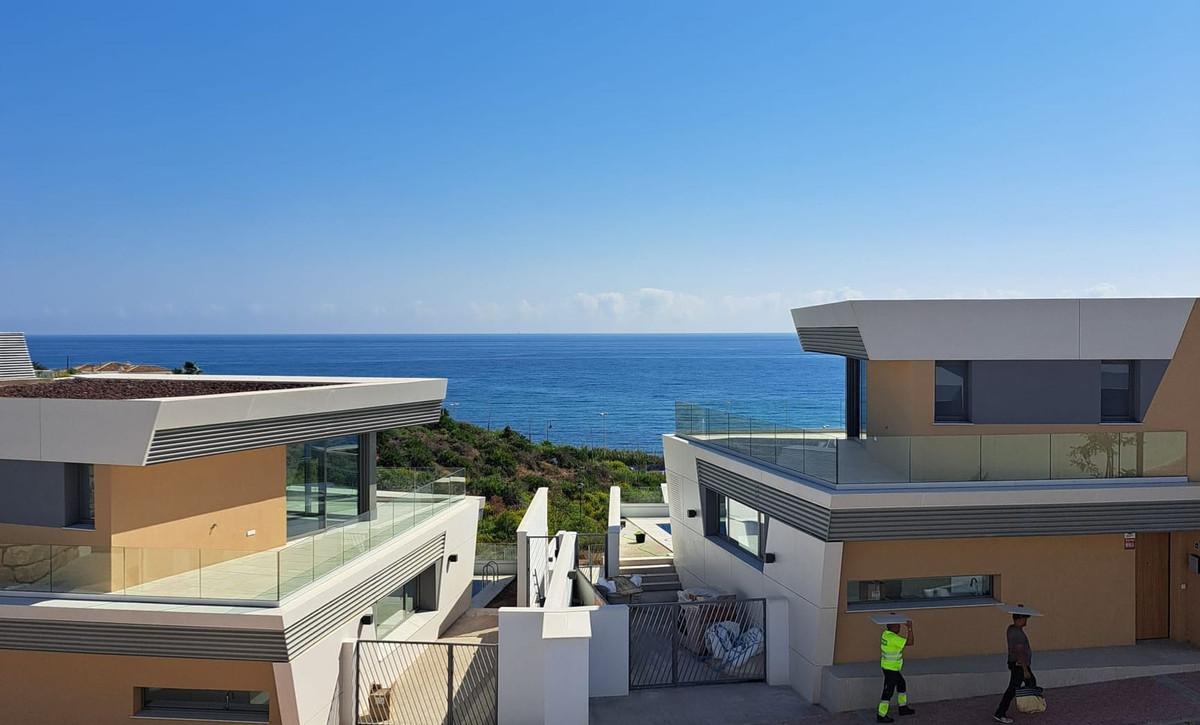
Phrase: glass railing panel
(819,453)
(228,574)
(87,569)
(739,434)
(945,458)
(762,441)
(26,567)
(684,424)
(874,459)
(423,503)
(154,572)
(356,538)
(297,565)
(789,448)
(327,551)
(441,490)
(1015,457)
(717,424)
(1085,455)
(1154,454)
(382,525)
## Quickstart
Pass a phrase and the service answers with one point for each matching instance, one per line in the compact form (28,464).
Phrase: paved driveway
(1169,699)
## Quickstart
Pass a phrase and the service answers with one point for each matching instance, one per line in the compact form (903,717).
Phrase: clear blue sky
(276,167)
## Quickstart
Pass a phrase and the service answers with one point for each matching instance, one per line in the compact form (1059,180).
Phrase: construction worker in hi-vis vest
(891,647)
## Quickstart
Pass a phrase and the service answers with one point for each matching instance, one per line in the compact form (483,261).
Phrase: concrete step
(661,586)
(641,560)
(658,578)
(646,568)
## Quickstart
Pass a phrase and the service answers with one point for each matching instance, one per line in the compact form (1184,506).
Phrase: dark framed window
(951,391)
(224,705)
(1116,391)
(85,494)
(928,590)
(328,482)
(740,525)
(418,594)
(856,397)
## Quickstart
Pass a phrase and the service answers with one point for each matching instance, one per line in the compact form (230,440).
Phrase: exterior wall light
(691,513)
(769,558)
(452,557)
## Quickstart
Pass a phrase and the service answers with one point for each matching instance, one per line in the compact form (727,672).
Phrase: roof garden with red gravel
(131,389)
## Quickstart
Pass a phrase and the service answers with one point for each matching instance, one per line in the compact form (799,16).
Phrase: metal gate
(425,683)
(697,643)
(540,555)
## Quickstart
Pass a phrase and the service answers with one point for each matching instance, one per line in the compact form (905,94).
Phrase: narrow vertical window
(1116,391)
(85,494)
(862,398)
(950,392)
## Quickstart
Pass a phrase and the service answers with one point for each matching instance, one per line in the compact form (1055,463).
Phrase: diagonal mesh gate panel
(426,683)
(695,643)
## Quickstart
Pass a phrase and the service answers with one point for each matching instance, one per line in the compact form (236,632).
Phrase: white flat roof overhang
(1008,329)
(136,432)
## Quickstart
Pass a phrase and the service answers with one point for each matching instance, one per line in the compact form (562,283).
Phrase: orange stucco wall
(54,687)
(1083,584)
(900,400)
(207,503)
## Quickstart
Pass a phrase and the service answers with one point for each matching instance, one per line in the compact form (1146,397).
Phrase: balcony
(828,456)
(405,500)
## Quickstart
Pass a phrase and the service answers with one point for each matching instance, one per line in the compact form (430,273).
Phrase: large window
(928,590)
(740,524)
(950,392)
(323,483)
(416,595)
(1116,391)
(224,705)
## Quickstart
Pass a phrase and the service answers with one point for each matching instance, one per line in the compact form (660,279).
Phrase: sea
(598,390)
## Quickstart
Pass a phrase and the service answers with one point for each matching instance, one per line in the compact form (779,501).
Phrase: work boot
(906,710)
(884,718)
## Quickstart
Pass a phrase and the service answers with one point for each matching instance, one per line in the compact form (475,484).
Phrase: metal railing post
(450,684)
(675,645)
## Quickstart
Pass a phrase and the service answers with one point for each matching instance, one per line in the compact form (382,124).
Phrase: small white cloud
(647,305)
(824,296)
(1103,289)
(487,311)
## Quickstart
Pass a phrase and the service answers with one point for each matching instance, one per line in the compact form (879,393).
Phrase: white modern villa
(992,451)
(215,548)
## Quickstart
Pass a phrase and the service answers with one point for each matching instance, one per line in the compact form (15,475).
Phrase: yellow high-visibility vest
(891,647)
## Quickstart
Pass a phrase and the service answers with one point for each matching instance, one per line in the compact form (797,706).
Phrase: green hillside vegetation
(507,468)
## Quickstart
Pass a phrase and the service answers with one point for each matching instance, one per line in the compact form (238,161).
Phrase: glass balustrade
(405,499)
(829,455)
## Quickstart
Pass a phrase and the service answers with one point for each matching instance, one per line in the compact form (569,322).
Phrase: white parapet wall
(533,524)
(560,583)
(612,543)
(544,664)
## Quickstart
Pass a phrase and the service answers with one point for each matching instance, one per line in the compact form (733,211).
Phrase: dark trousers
(1016,678)
(892,682)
